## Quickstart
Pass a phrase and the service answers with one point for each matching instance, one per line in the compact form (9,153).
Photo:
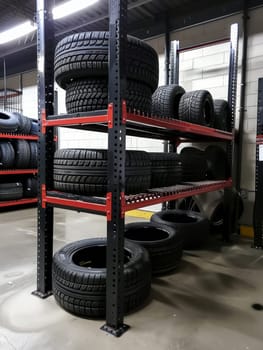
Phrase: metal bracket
(42,295)
(116,332)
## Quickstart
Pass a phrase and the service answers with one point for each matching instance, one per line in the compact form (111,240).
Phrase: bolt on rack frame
(117,122)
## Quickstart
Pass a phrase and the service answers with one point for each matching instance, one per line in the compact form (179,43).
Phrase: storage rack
(117,122)
(258,215)
(22,201)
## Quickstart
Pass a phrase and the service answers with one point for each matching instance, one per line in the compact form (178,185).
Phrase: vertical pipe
(167,70)
(5,88)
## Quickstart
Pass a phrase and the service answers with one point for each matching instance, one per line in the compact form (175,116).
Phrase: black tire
(165,101)
(222,115)
(163,243)
(34,128)
(33,154)
(217,162)
(197,107)
(84,171)
(22,154)
(11,191)
(194,164)
(85,55)
(7,155)
(85,95)
(193,227)
(8,122)
(79,277)
(166,169)
(30,187)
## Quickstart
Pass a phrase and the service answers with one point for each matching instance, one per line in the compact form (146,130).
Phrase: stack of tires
(14,122)
(81,68)
(197,107)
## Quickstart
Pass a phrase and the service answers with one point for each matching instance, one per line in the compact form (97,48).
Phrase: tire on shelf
(166,169)
(34,128)
(8,122)
(197,107)
(85,95)
(85,55)
(165,101)
(163,243)
(22,154)
(217,162)
(194,164)
(30,187)
(84,171)
(79,277)
(222,115)
(7,155)
(11,191)
(33,154)
(193,226)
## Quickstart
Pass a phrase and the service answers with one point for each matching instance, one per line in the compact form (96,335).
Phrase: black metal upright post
(45,54)
(258,213)
(229,197)
(116,168)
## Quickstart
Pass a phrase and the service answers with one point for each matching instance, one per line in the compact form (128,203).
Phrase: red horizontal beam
(13,136)
(178,125)
(76,204)
(18,171)
(182,194)
(76,121)
(259,139)
(17,202)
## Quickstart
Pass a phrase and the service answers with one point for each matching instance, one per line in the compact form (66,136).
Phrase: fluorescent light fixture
(17,31)
(70,7)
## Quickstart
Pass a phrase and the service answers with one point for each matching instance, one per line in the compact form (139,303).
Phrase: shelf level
(259,139)
(17,202)
(18,171)
(14,136)
(102,205)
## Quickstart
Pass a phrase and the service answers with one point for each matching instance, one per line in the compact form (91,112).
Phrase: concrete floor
(204,306)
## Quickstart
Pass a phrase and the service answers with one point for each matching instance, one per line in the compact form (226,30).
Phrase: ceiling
(146,18)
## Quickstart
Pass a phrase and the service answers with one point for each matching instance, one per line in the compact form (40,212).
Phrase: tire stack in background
(17,154)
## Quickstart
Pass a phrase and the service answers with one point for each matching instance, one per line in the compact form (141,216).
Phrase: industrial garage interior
(131,174)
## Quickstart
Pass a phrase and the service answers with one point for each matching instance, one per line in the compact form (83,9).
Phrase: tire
(222,115)
(197,107)
(7,155)
(166,169)
(30,187)
(11,191)
(34,128)
(165,101)
(218,166)
(33,154)
(8,122)
(194,164)
(85,95)
(84,171)
(79,277)
(22,154)
(85,55)
(163,243)
(193,227)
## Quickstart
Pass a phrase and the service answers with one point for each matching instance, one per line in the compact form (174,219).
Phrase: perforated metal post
(116,168)
(258,205)
(174,62)
(45,54)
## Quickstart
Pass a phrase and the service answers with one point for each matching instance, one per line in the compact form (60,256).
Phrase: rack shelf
(15,136)
(18,171)
(17,202)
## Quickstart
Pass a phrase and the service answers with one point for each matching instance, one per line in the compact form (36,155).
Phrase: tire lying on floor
(79,277)
(193,227)
(164,244)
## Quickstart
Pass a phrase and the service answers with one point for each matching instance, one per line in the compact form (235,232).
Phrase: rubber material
(166,169)
(165,101)
(22,154)
(34,128)
(194,164)
(85,95)
(7,155)
(8,122)
(33,154)
(85,55)
(191,225)
(79,277)
(30,187)
(222,115)
(11,191)
(197,107)
(218,166)
(163,243)
(84,171)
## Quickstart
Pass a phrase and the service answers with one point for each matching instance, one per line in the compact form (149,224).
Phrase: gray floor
(204,306)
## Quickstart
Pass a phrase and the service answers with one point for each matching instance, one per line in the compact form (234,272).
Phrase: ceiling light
(70,7)
(17,31)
